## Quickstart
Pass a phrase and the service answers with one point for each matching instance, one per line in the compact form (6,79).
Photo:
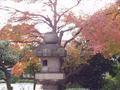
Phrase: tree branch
(65,44)
(62,33)
(59,17)
(59,28)
(46,20)
(69,29)
(55,16)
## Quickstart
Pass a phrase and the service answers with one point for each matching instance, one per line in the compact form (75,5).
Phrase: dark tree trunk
(7,80)
(8,84)
(35,82)
(7,76)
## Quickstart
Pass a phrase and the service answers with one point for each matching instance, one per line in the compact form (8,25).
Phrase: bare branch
(46,20)
(59,28)
(62,32)
(51,1)
(69,29)
(55,16)
(75,35)
(8,9)
(59,17)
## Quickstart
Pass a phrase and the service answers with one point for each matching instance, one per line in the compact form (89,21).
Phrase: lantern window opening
(44,62)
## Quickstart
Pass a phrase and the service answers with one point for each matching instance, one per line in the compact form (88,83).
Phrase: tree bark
(7,80)
(7,76)
(9,87)
(34,82)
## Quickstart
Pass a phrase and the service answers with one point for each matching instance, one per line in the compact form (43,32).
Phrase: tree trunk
(34,85)
(8,84)
(7,76)
(34,82)
(7,80)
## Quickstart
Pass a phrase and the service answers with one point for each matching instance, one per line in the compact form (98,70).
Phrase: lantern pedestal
(50,76)
(48,80)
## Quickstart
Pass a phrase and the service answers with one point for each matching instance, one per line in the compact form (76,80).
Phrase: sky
(87,7)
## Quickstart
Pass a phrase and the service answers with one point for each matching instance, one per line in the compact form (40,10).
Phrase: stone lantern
(50,53)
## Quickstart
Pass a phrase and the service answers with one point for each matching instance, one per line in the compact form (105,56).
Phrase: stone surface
(50,76)
(51,50)
(51,38)
(53,64)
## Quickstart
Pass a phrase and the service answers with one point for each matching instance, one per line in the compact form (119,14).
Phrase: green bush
(112,82)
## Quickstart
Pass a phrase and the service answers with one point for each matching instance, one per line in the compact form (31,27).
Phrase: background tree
(102,36)
(21,35)
(28,64)
(33,68)
(91,74)
(77,54)
(112,79)
(55,21)
(99,36)
(8,57)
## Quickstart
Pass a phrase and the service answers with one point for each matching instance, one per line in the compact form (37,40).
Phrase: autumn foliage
(20,34)
(101,30)
(19,68)
(27,59)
